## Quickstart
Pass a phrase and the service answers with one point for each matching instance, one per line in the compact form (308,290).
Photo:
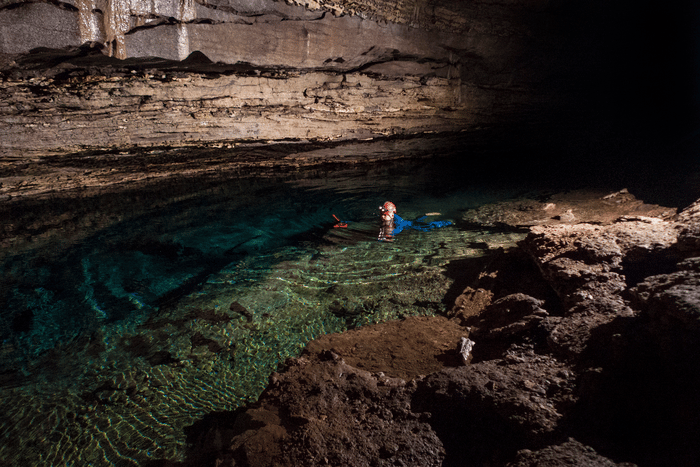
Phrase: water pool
(127,323)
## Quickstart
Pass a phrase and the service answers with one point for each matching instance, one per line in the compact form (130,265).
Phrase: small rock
(464,349)
(238,308)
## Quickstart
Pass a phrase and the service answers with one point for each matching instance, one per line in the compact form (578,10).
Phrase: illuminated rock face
(122,73)
(253,30)
(296,71)
(159,108)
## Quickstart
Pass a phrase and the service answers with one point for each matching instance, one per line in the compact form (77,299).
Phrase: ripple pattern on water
(148,327)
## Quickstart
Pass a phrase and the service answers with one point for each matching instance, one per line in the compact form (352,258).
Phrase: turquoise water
(119,333)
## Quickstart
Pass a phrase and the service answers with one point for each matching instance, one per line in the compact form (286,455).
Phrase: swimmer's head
(389,207)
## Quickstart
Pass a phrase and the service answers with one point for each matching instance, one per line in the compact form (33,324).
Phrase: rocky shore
(585,350)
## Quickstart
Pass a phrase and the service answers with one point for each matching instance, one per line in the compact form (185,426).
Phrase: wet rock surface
(571,207)
(589,359)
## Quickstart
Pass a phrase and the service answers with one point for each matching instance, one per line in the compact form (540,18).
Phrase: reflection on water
(118,334)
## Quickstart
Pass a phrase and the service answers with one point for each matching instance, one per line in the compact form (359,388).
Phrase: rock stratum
(585,353)
(109,74)
(105,92)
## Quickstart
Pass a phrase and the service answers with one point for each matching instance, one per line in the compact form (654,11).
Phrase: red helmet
(389,206)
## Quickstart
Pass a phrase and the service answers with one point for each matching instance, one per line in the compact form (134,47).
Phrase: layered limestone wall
(154,109)
(265,70)
(188,25)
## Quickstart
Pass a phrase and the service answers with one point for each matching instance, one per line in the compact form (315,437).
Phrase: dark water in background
(151,309)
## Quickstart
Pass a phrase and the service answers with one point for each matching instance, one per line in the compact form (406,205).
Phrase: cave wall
(321,70)
(318,71)
(174,28)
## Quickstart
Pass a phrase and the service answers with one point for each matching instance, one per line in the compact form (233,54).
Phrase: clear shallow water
(118,337)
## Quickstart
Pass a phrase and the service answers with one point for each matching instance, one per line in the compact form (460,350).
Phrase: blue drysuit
(401,224)
(394,227)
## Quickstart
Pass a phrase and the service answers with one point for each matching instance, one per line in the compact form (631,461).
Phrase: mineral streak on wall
(117,24)
(123,15)
(25,25)
(88,21)
(186,13)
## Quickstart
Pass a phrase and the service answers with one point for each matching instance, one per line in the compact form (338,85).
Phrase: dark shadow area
(647,65)
(638,390)
(204,439)
(502,273)
(468,427)
(464,273)
(638,267)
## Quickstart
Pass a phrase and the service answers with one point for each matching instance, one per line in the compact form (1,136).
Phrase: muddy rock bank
(585,353)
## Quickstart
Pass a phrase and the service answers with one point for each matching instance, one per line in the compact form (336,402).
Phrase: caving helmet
(388,207)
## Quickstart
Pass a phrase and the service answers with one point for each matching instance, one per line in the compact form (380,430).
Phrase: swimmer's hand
(432,213)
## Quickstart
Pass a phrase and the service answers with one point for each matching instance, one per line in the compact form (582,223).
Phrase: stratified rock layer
(93,74)
(155,106)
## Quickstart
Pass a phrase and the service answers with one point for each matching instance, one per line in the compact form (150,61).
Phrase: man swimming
(393,224)
(386,232)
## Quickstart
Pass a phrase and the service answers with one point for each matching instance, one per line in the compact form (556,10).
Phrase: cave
(162,162)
